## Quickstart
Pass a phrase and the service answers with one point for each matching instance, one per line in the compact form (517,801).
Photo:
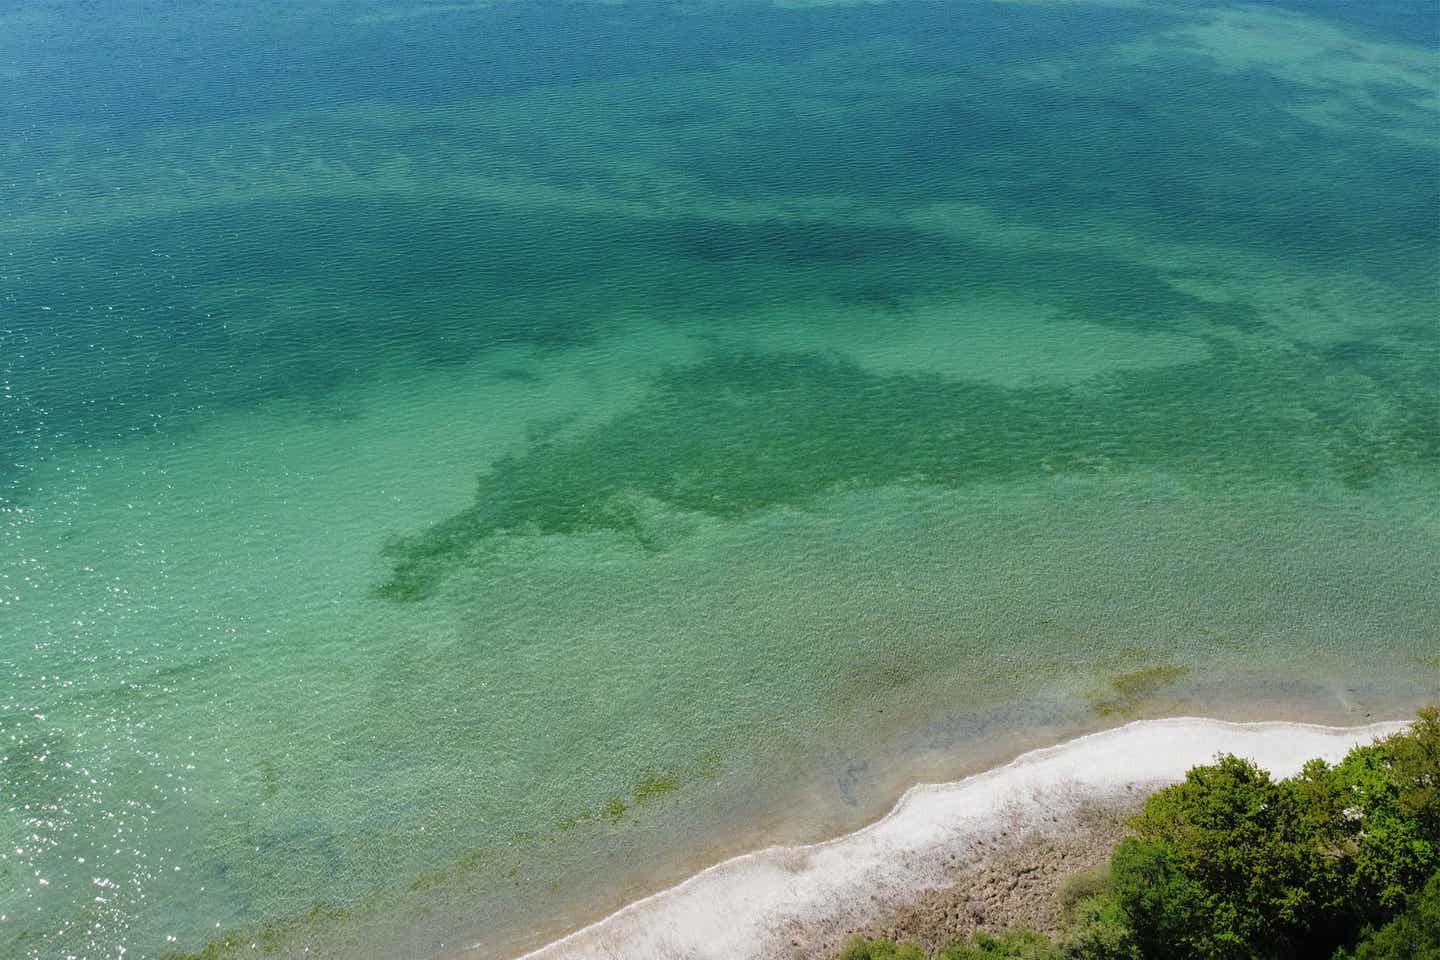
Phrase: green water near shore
(460,463)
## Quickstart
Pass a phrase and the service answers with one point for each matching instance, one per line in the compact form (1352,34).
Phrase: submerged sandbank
(774,902)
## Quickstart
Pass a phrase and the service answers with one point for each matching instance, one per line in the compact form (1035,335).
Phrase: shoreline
(784,901)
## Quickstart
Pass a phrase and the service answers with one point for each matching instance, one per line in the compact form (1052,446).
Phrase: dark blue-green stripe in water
(465,465)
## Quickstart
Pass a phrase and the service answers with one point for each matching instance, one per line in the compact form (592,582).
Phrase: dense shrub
(1100,930)
(861,949)
(1081,887)
(1016,945)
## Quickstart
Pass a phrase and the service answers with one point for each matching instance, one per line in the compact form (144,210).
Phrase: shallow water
(464,464)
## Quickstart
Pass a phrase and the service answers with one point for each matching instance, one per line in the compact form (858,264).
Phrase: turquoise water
(465,464)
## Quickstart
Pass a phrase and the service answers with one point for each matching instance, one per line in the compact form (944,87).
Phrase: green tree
(1232,865)
(1377,817)
(1225,865)
(1413,935)
(1167,909)
(1415,761)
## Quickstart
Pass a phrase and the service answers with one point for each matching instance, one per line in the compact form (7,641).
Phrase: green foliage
(1415,765)
(861,949)
(1384,851)
(1015,945)
(1082,887)
(1100,930)
(1165,906)
(1413,935)
(1232,864)
(1225,864)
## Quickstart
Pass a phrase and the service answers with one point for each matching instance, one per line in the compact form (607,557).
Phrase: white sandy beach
(769,903)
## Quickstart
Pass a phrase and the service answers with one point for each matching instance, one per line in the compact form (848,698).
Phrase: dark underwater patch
(1406,21)
(743,433)
(186,316)
(1128,692)
(800,243)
